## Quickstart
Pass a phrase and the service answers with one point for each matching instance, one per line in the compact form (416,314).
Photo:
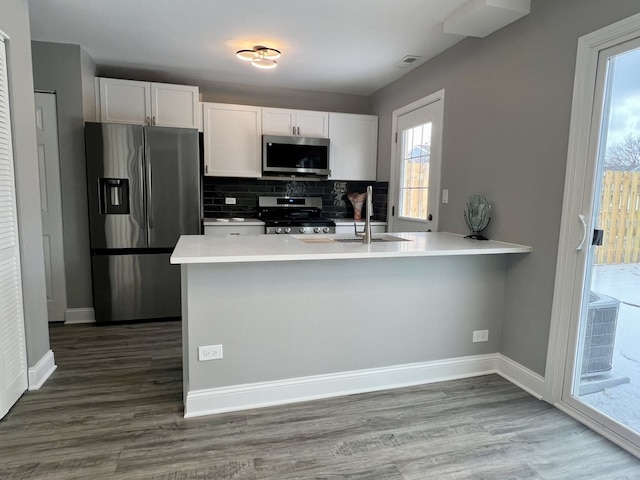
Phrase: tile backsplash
(246,192)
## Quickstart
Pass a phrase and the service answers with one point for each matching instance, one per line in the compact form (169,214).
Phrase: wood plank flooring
(113,409)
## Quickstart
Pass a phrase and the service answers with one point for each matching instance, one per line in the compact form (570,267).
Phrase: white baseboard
(79,315)
(520,376)
(264,394)
(41,371)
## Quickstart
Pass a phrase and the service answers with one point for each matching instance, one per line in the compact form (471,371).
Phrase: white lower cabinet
(233,229)
(232,140)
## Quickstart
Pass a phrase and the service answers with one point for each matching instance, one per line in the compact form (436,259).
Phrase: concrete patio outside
(622,402)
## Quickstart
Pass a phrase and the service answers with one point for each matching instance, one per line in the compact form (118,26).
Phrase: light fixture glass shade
(260,56)
(246,55)
(264,63)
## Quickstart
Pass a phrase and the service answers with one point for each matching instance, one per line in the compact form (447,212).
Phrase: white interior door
(13,359)
(415,166)
(51,204)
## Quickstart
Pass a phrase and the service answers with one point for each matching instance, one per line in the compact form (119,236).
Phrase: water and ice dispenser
(114,196)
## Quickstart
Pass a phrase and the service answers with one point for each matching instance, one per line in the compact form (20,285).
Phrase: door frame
(393,180)
(580,184)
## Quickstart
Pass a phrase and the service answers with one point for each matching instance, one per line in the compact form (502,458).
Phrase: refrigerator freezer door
(173,185)
(115,186)
(135,287)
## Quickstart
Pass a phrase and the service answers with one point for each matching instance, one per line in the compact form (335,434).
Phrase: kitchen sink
(383,238)
(323,239)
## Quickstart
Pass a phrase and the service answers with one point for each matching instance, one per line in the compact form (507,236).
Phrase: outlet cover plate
(229,200)
(480,336)
(209,352)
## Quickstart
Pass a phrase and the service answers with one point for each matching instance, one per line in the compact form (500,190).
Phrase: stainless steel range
(296,215)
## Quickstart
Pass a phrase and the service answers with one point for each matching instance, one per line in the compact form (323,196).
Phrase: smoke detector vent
(407,61)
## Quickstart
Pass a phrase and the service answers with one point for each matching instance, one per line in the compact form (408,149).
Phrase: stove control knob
(302,230)
(278,230)
(316,230)
(287,230)
(326,229)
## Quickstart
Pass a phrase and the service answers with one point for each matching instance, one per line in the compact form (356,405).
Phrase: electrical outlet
(209,352)
(480,336)
(445,196)
(230,200)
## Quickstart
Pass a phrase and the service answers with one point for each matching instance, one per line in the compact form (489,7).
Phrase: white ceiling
(343,46)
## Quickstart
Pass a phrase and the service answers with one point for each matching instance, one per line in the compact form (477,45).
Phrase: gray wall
(506,124)
(14,21)
(58,67)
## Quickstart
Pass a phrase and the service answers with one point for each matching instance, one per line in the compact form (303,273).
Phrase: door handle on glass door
(584,232)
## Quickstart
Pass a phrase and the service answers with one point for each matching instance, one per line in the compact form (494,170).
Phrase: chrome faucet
(366,233)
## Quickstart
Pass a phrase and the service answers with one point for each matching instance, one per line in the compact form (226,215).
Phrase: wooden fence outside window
(619,217)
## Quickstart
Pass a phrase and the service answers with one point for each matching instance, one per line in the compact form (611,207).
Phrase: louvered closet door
(13,361)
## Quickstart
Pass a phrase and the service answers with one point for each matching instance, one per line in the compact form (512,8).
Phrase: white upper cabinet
(232,140)
(299,123)
(175,105)
(145,103)
(124,101)
(354,146)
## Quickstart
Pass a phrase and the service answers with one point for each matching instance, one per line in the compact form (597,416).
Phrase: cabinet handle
(148,121)
(293,130)
(206,169)
(298,130)
(153,119)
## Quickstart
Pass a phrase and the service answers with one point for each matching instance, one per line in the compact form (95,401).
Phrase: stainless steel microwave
(295,156)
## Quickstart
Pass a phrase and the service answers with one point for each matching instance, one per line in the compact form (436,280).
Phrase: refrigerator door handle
(149,192)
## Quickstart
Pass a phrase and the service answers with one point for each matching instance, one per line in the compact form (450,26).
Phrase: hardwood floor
(113,409)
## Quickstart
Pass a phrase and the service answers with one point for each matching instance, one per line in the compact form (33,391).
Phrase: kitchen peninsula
(297,318)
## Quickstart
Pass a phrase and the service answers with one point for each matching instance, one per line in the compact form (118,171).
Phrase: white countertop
(232,221)
(278,248)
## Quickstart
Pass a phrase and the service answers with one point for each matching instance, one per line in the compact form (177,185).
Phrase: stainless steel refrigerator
(144,189)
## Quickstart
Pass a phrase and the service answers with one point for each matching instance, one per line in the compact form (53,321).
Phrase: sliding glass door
(602,374)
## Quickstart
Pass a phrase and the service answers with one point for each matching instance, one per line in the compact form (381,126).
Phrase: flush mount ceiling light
(260,56)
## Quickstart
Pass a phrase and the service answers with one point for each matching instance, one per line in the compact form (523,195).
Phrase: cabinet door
(278,121)
(354,146)
(174,105)
(232,140)
(221,230)
(124,101)
(312,124)
(300,123)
